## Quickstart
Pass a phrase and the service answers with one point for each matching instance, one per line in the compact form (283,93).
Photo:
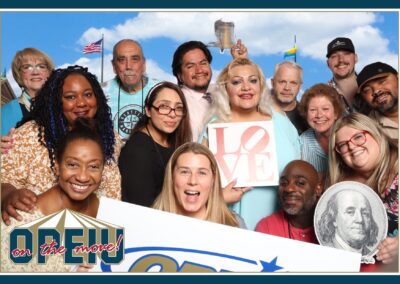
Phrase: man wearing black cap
(378,86)
(341,61)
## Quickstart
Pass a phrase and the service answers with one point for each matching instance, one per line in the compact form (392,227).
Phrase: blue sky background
(267,35)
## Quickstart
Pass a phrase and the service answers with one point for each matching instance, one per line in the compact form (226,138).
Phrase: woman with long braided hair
(28,168)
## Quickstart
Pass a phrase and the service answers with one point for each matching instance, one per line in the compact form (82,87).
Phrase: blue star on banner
(270,266)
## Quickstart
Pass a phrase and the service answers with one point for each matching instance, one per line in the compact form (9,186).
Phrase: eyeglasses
(165,110)
(28,68)
(357,139)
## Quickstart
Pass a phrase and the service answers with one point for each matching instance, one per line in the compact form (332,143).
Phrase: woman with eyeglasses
(360,151)
(320,105)
(30,68)
(164,127)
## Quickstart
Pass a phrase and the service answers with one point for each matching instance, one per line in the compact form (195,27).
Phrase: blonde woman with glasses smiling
(30,68)
(360,151)
(164,127)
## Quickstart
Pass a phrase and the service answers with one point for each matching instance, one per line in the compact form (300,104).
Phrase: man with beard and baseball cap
(378,86)
(191,67)
(299,190)
(342,59)
(127,91)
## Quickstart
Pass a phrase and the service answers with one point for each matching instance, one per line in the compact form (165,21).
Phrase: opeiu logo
(79,238)
(175,259)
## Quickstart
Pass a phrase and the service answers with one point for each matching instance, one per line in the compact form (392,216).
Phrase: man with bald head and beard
(299,191)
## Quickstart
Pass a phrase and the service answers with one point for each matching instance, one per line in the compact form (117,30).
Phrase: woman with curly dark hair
(28,168)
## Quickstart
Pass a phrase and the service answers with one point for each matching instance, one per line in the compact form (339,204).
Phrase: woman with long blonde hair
(192,187)
(360,151)
(241,95)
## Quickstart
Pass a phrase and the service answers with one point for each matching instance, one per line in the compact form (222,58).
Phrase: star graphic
(270,266)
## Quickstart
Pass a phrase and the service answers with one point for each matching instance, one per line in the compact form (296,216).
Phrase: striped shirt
(312,152)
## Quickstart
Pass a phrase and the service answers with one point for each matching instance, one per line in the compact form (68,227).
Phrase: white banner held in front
(157,241)
(245,151)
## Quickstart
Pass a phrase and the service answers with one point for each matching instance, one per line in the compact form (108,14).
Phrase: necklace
(156,147)
(302,235)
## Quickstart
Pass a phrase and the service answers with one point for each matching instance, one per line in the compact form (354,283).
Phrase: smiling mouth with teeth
(80,187)
(191,192)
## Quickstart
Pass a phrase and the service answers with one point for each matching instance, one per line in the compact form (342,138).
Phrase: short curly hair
(321,90)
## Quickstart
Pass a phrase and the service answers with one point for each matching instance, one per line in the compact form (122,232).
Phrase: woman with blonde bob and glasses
(192,187)
(360,151)
(30,68)
(164,127)
(241,95)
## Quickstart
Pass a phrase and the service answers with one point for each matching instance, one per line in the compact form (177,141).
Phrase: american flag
(93,47)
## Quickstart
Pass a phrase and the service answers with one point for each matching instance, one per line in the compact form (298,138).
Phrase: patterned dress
(27,165)
(391,202)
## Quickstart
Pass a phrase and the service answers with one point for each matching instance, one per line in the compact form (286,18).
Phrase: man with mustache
(191,67)
(299,190)
(378,86)
(286,84)
(341,61)
(127,91)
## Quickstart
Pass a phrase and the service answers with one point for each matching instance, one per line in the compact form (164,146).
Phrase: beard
(200,88)
(345,76)
(390,106)
(306,208)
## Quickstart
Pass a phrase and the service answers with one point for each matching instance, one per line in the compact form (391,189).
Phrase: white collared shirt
(197,109)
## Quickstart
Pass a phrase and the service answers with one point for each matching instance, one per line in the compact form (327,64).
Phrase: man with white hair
(286,84)
(127,91)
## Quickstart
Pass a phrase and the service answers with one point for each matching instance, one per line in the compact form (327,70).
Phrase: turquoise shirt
(312,152)
(11,113)
(260,202)
(126,108)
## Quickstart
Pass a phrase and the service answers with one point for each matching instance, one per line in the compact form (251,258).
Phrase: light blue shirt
(260,202)
(126,108)
(11,114)
(312,152)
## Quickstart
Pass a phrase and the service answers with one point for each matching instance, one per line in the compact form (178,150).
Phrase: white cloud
(264,33)
(94,66)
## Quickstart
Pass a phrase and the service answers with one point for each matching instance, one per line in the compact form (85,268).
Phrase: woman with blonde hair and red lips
(192,187)
(360,151)
(241,95)
(320,105)
(79,164)
(164,127)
